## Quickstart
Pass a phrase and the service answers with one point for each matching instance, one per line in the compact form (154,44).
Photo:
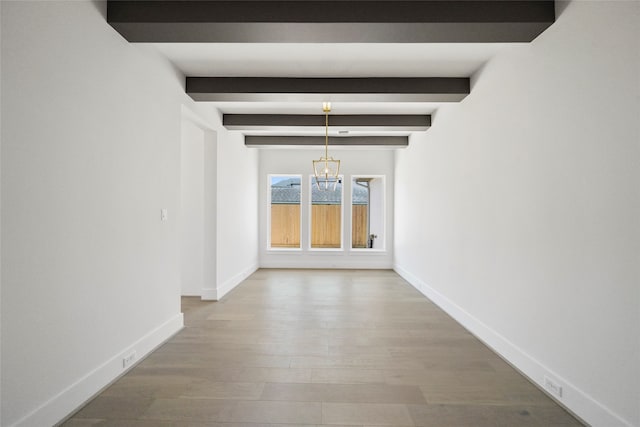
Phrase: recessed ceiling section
(272,141)
(346,21)
(365,89)
(338,123)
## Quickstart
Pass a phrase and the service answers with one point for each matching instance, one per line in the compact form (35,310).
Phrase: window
(326,217)
(284,222)
(367,212)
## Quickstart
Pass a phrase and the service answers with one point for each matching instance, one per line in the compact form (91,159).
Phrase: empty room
(320,213)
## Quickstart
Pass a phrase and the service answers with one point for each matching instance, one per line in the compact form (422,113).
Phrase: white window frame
(352,179)
(284,175)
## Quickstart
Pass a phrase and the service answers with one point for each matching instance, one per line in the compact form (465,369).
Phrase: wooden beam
(338,21)
(375,122)
(347,141)
(352,89)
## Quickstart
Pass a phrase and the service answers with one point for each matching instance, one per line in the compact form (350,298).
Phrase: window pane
(367,212)
(285,211)
(326,216)
(360,214)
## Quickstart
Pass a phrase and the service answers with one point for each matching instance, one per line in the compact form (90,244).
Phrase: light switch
(163,215)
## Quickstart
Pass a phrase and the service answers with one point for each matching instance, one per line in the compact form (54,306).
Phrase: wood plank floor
(321,347)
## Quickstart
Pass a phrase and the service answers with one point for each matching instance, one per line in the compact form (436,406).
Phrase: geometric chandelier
(326,169)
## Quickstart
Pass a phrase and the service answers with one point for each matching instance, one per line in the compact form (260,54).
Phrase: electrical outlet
(164,215)
(553,387)
(128,360)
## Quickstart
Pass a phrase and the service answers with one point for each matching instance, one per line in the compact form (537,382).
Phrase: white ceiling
(336,107)
(328,60)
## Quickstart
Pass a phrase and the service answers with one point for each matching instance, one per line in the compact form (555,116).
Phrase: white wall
(0,214)
(353,162)
(518,211)
(90,155)
(198,210)
(376,220)
(191,209)
(237,212)
(210,208)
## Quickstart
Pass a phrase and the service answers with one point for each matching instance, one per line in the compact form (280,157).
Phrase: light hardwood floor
(321,347)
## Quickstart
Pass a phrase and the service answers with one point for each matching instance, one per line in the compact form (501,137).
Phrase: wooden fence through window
(325,226)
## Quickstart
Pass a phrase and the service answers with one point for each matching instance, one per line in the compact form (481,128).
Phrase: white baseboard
(371,264)
(190,294)
(77,394)
(574,399)
(228,285)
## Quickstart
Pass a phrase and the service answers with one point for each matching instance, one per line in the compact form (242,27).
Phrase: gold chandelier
(326,169)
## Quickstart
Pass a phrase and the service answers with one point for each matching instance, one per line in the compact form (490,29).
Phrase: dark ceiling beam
(258,141)
(341,21)
(375,122)
(369,89)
